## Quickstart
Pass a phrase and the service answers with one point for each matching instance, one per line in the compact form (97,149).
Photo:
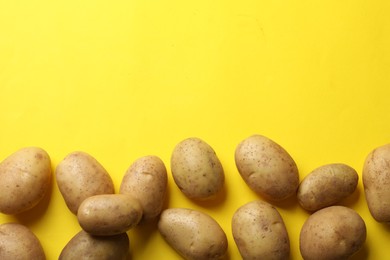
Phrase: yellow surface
(124,79)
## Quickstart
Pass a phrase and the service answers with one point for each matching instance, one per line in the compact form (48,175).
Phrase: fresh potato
(196,169)
(335,232)
(326,186)
(88,247)
(25,179)
(376,182)
(17,242)
(146,180)
(267,168)
(193,234)
(259,232)
(109,214)
(80,176)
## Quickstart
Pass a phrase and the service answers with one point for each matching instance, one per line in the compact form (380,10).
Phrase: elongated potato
(18,242)
(196,169)
(259,232)
(80,176)
(335,232)
(109,214)
(267,168)
(376,181)
(327,185)
(193,234)
(147,180)
(88,247)
(25,178)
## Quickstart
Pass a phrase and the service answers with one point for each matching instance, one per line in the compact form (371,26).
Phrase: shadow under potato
(140,234)
(32,215)
(351,199)
(362,254)
(215,201)
(287,204)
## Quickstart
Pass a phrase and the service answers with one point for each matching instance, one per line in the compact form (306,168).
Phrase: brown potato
(267,168)
(80,176)
(88,247)
(196,169)
(259,232)
(335,232)
(18,242)
(109,214)
(326,186)
(193,234)
(376,182)
(25,179)
(146,180)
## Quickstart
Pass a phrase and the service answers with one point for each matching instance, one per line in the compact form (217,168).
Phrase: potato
(109,214)
(146,180)
(25,179)
(335,232)
(193,234)
(196,169)
(88,247)
(17,242)
(326,186)
(80,176)
(267,168)
(259,232)
(376,182)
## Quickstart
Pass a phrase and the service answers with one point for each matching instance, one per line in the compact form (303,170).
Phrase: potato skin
(109,214)
(335,232)
(88,247)
(25,179)
(267,168)
(196,169)
(376,182)
(326,186)
(80,176)
(147,180)
(19,243)
(193,234)
(259,232)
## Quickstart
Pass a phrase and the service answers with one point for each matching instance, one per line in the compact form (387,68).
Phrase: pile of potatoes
(330,232)
(88,192)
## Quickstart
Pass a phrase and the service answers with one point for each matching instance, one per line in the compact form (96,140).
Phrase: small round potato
(80,176)
(326,186)
(335,232)
(193,234)
(267,168)
(196,169)
(88,247)
(109,214)
(146,180)
(25,179)
(259,232)
(18,242)
(376,182)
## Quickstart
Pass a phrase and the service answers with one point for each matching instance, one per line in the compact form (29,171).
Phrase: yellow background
(124,79)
